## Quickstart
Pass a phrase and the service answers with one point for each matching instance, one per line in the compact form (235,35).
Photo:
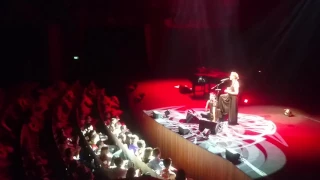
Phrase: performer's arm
(206,108)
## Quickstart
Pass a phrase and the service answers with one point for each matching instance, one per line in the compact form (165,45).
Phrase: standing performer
(228,103)
(211,104)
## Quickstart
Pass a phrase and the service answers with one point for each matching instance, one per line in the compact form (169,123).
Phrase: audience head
(118,125)
(114,121)
(118,161)
(88,127)
(181,174)
(156,152)
(123,128)
(147,154)
(100,144)
(131,173)
(167,162)
(141,144)
(122,138)
(94,138)
(104,150)
(134,139)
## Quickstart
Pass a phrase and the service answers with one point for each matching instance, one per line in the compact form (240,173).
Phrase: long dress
(228,104)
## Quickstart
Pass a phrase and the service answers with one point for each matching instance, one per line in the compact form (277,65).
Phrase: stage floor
(271,145)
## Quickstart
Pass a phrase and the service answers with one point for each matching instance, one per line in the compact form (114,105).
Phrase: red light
(246,101)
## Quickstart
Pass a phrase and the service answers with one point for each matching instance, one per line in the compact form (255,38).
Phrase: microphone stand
(217,86)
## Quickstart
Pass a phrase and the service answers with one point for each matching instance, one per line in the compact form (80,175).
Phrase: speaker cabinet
(192,118)
(183,130)
(203,124)
(232,156)
(156,115)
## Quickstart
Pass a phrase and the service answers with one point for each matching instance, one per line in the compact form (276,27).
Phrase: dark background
(280,38)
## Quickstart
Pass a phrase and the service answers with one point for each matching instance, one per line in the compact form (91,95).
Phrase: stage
(270,144)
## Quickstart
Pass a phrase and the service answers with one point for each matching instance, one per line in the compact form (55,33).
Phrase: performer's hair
(236,76)
(212,94)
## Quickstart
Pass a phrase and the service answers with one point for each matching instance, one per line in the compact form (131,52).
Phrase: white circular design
(249,139)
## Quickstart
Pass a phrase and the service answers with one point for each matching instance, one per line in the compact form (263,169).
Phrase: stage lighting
(246,101)
(287,112)
(201,80)
(75,57)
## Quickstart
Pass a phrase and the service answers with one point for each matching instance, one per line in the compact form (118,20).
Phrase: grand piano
(206,79)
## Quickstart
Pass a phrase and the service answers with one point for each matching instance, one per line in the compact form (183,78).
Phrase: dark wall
(23,53)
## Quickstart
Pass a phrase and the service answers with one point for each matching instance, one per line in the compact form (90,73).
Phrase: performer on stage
(228,103)
(211,104)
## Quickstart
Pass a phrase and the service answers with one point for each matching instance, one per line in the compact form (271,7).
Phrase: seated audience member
(118,171)
(133,143)
(124,128)
(100,145)
(128,138)
(105,156)
(115,101)
(141,148)
(93,141)
(166,173)
(131,173)
(156,163)
(88,131)
(113,123)
(123,138)
(147,155)
(117,129)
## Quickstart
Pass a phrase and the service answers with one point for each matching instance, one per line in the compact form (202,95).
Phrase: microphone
(225,79)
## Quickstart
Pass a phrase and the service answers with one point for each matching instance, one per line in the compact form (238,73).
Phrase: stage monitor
(232,156)
(183,130)
(204,124)
(191,118)
(156,115)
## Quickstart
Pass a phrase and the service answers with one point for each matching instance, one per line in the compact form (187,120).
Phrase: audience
(118,171)
(84,150)
(156,163)
(166,173)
